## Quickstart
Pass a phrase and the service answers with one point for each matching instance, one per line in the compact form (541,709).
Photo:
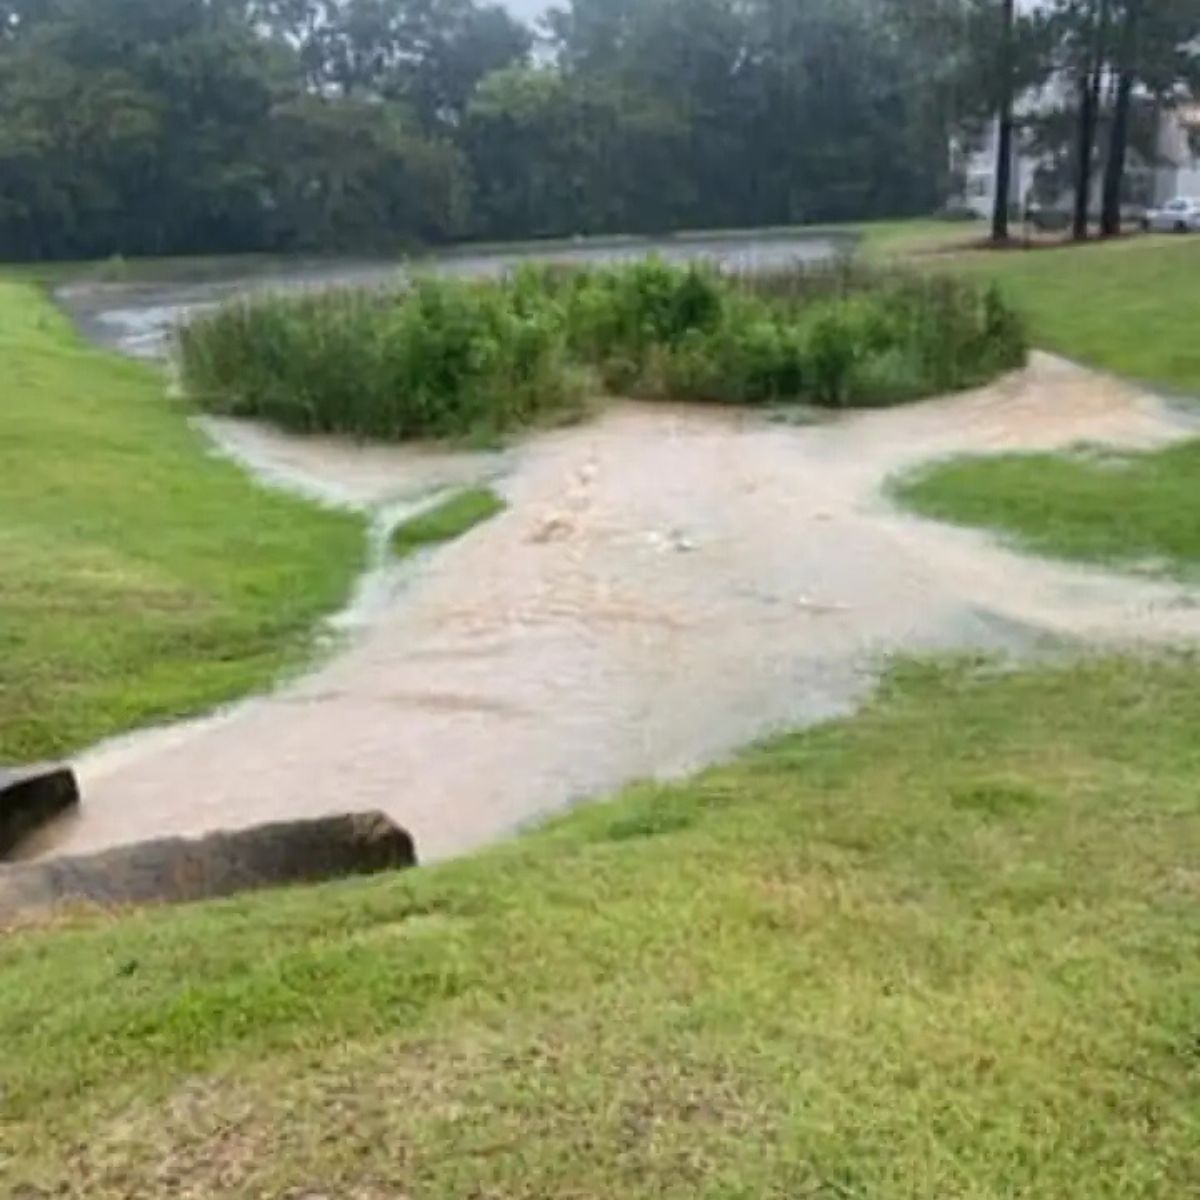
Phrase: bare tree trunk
(1004,128)
(1114,167)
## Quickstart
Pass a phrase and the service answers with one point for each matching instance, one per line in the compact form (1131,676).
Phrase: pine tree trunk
(1114,168)
(1089,108)
(1083,165)
(1004,130)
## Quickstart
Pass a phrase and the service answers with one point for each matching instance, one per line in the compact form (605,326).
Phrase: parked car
(1176,216)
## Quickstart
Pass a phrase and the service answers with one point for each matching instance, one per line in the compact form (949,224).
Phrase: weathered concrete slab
(31,796)
(177,870)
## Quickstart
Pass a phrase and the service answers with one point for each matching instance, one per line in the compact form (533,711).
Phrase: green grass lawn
(1136,509)
(947,948)
(448,519)
(142,577)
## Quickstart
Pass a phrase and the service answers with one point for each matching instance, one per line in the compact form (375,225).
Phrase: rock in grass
(31,796)
(176,870)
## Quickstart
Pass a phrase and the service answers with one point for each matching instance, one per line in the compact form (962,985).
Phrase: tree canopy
(165,126)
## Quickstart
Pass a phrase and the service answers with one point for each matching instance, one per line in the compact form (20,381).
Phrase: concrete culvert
(29,798)
(176,870)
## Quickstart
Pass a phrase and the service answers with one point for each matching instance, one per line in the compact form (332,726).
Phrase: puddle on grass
(667,584)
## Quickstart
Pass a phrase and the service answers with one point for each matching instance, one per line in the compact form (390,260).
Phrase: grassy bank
(458,358)
(446,520)
(142,577)
(1126,510)
(1128,307)
(946,948)
(888,240)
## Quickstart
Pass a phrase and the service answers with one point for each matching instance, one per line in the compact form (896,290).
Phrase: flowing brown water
(667,584)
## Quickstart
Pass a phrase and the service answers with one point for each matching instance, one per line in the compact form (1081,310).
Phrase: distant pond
(136,317)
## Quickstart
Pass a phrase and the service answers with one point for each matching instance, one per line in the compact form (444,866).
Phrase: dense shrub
(441,359)
(448,357)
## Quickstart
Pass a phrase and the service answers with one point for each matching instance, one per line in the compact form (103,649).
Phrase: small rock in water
(552,529)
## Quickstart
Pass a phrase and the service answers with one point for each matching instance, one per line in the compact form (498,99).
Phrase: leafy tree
(563,155)
(349,172)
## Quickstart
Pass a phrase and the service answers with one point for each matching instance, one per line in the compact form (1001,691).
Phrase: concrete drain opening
(29,798)
(179,870)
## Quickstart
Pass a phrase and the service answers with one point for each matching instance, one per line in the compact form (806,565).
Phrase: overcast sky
(527,9)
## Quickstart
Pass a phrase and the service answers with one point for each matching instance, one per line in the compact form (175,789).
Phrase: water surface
(137,317)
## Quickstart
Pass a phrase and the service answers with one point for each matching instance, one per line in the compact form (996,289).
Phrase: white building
(1178,139)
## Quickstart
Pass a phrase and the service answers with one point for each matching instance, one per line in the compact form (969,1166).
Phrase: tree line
(185,126)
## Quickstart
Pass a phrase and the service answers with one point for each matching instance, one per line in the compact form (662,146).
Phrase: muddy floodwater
(667,584)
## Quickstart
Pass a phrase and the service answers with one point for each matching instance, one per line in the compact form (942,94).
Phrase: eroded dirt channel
(667,584)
